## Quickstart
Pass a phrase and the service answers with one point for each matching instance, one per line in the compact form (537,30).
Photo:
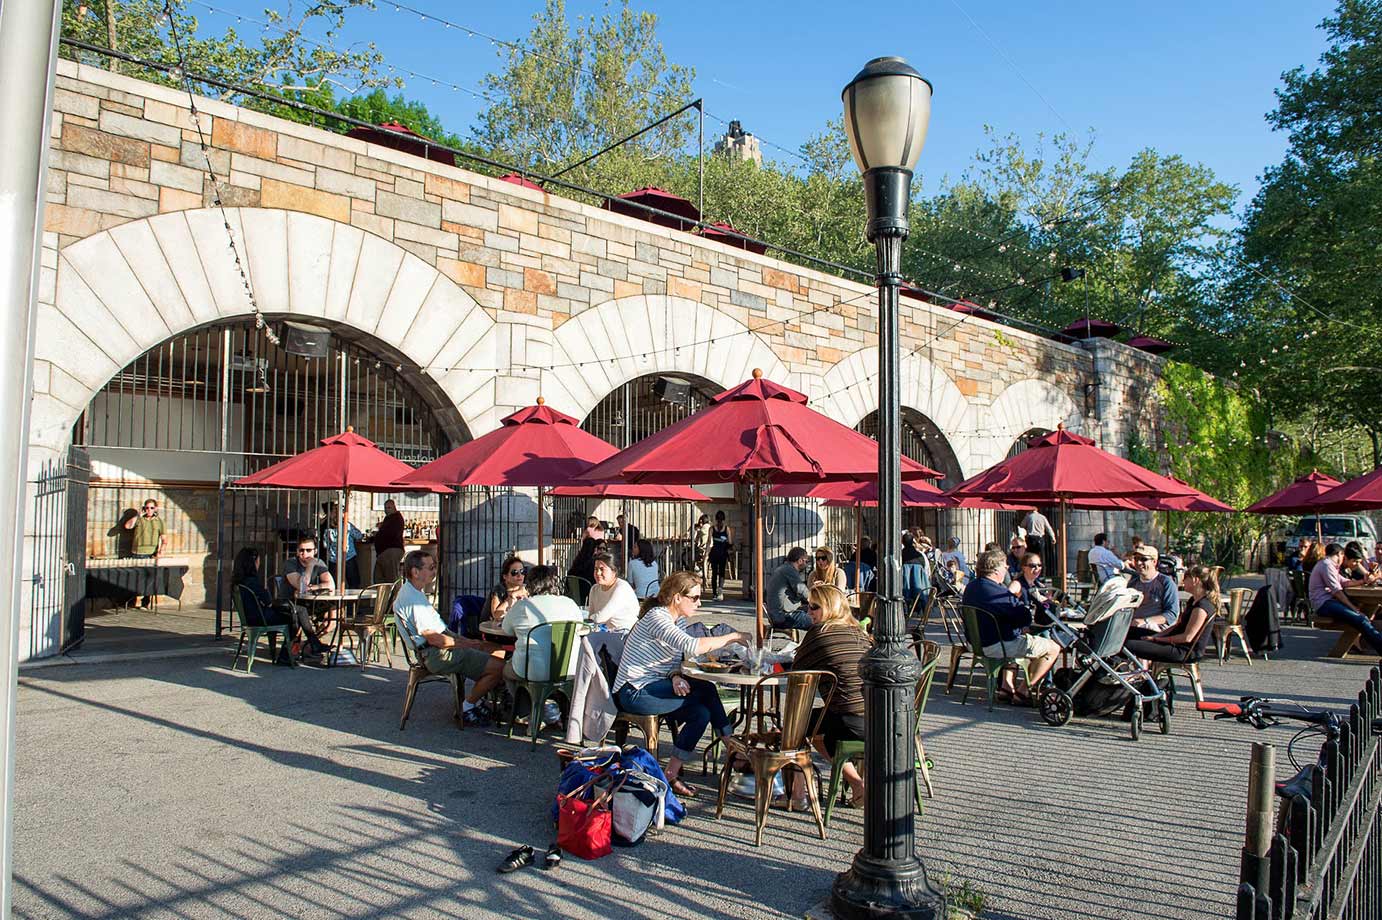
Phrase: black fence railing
(1325,855)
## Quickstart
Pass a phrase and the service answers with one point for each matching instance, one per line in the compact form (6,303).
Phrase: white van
(1337,528)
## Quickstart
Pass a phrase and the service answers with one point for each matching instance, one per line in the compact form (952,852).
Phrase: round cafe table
(494,630)
(341,599)
(764,708)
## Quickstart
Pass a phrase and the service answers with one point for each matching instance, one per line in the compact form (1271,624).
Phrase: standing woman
(511,588)
(826,571)
(650,681)
(700,535)
(720,539)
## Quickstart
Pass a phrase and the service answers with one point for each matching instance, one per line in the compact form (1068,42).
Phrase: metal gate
(57,598)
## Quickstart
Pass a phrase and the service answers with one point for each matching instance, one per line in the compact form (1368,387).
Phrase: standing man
(1041,537)
(149,538)
(442,651)
(388,544)
(785,603)
(629,534)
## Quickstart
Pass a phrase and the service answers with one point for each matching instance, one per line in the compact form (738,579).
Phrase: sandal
(520,857)
(682,789)
(552,858)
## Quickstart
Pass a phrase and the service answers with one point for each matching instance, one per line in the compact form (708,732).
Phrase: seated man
(1003,635)
(1160,605)
(784,597)
(442,650)
(1330,602)
(1104,561)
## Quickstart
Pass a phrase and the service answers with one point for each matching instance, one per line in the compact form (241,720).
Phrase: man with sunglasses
(305,573)
(148,539)
(1160,605)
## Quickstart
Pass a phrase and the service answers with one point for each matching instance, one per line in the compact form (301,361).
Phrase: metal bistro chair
(993,667)
(367,631)
(252,627)
(1300,598)
(845,751)
(419,675)
(578,589)
(561,639)
(1239,599)
(770,752)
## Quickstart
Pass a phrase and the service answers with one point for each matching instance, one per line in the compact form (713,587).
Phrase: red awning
(516,179)
(1355,495)
(685,214)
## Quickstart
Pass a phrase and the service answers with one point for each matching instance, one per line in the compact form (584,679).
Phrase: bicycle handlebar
(1261,713)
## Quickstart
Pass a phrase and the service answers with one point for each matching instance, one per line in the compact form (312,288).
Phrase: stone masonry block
(254,166)
(446,189)
(515,218)
(410,209)
(321,155)
(276,194)
(467,273)
(110,202)
(470,215)
(344,183)
(103,146)
(243,138)
(138,128)
(179,177)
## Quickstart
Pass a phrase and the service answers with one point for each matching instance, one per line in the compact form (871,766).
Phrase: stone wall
(491,294)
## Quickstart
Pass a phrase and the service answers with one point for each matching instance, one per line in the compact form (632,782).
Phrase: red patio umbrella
(1091,329)
(535,446)
(758,432)
(1300,497)
(344,463)
(399,136)
(722,232)
(516,179)
(1356,494)
(687,214)
(1150,344)
(1068,469)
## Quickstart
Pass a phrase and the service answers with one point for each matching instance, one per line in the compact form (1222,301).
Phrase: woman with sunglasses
(511,589)
(650,681)
(826,571)
(1032,589)
(835,643)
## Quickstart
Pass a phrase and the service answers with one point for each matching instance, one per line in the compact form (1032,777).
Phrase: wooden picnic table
(1368,600)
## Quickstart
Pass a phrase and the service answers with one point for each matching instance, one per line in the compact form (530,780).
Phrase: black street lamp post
(887,108)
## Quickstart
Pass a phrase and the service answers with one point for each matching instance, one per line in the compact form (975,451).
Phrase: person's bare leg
(1042,665)
(494,673)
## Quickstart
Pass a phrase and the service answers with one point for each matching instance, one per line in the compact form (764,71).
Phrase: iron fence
(1325,857)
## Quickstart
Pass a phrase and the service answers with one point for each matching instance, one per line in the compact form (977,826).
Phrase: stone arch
(851,393)
(120,292)
(1024,406)
(630,337)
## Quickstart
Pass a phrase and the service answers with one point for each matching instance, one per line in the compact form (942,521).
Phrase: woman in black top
(583,566)
(719,555)
(1186,640)
(245,574)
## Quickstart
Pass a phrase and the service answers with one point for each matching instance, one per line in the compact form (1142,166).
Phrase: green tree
(566,92)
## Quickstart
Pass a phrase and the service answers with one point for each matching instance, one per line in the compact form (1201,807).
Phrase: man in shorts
(1003,634)
(441,650)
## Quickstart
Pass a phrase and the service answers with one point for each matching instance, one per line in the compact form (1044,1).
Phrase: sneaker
(479,714)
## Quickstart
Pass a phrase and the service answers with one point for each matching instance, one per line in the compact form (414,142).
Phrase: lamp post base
(877,890)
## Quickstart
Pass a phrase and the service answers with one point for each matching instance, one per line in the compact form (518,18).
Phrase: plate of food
(712,665)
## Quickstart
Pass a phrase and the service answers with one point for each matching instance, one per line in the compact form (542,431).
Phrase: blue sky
(1181,77)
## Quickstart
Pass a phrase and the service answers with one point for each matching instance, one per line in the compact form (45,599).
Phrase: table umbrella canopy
(848,493)
(343,461)
(1199,501)
(535,446)
(759,431)
(1354,495)
(1300,497)
(1091,329)
(1066,467)
(623,489)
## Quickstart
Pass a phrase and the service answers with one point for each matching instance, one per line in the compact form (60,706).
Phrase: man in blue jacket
(1003,634)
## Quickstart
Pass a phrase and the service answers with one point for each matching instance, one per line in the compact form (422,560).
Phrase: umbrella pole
(1060,550)
(341,497)
(539,525)
(858,545)
(758,559)
(624,537)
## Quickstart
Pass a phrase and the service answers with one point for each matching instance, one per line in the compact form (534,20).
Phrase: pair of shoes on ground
(479,714)
(524,856)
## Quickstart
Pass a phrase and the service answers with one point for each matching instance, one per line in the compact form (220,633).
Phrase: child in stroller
(1106,677)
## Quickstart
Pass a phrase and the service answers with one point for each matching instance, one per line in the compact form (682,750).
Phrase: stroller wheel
(1056,706)
(1165,717)
(1135,723)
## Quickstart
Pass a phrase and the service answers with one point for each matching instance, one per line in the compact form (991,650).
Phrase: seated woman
(245,574)
(835,643)
(650,681)
(826,571)
(510,590)
(916,583)
(643,569)
(612,602)
(1017,548)
(1033,591)
(1186,639)
(544,604)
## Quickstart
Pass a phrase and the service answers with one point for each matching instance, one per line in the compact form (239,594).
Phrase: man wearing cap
(1160,605)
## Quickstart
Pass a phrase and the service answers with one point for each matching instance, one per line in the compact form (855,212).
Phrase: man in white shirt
(1105,562)
(441,650)
(542,605)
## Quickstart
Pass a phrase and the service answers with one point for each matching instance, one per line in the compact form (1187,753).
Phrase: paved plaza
(172,787)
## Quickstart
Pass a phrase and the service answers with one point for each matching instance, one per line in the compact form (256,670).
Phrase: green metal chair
(578,589)
(845,751)
(253,627)
(561,639)
(993,667)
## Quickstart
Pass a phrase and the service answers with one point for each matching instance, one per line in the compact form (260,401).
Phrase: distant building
(738,146)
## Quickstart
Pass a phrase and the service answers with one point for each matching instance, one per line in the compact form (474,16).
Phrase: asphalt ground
(173,787)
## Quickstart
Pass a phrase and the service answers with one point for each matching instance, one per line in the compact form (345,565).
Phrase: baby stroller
(1105,678)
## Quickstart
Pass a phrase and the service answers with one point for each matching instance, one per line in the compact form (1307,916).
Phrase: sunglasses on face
(813,606)
(1143,559)
(1031,565)
(516,573)
(693,598)
(822,558)
(308,551)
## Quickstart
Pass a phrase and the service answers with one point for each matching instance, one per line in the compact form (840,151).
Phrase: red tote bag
(585,827)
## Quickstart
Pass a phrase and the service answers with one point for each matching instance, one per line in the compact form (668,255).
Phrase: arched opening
(189,416)
(626,415)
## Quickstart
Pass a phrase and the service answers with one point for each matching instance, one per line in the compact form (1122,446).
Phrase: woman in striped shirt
(650,681)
